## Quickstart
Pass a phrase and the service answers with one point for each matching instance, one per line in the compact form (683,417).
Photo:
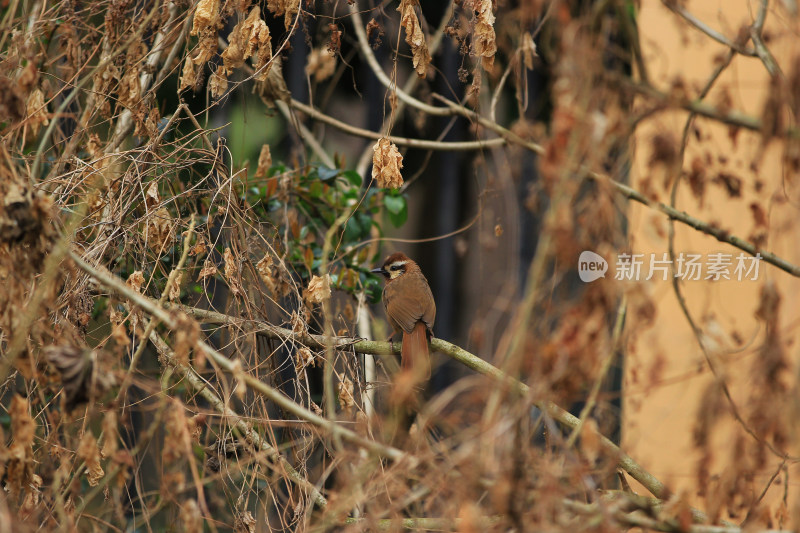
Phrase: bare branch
(422,144)
(453,351)
(678,9)
(119,287)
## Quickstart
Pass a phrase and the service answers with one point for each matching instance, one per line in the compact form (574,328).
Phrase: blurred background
(529,132)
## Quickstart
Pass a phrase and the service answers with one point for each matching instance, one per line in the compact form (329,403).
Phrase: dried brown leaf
(90,454)
(135,281)
(205,16)
(191,517)
(319,288)
(23,215)
(590,440)
(232,272)
(130,90)
(247,38)
(264,61)
(238,374)
(321,64)
(345,391)
(374,29)
(298,323)
(207,46)
(187,333)
(110,442)
(415,38)
(268,275)
(199,247)
(528,50)
(178,438)
(265,265)
(218,82)
(208,270)
(36,111)
(335,43)
(33,496)
(151,197)
(386,164)
(175,288)
(270,84)
(23,428)
(118,331)
(159,230)
(483,37)
(94,146)
(303,358)
(264,162)
(188,75)
(244,523)
(12,100)
(287,8)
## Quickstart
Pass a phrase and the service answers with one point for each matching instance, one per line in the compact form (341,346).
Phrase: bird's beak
(378,270)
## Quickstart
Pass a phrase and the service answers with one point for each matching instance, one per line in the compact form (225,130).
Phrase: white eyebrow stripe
(398,263)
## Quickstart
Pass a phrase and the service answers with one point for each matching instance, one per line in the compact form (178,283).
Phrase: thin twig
(252,436)
(756,34)
(119,287)
(678,9)
(437,38)
(153,322)
(732,118)
(40,152)
(451,350)
(125,121)
(423,144)
(601,376)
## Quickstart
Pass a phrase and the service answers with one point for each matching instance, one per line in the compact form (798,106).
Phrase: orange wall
(666,372)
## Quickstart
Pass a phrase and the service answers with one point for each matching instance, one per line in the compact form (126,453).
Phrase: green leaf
(353,177)
(365,221)
(316,189)
(397,209)
(327,174)
(373,288)
(399,219)
(394,204)
(352,230)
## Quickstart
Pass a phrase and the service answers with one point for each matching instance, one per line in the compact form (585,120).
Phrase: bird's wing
(429,313)
(403,308)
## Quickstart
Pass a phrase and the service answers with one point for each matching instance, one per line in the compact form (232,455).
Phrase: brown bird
(410,308)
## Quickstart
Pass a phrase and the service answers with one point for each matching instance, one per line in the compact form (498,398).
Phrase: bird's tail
(415,363)
(415,356)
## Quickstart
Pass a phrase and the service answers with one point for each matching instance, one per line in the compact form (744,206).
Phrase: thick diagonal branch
(461,355)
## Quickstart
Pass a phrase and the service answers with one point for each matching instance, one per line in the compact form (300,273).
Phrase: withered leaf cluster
(415,38)
(484,43)
(319,289)
(386,164)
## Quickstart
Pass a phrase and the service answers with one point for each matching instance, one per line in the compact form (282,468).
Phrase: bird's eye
(395,267)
